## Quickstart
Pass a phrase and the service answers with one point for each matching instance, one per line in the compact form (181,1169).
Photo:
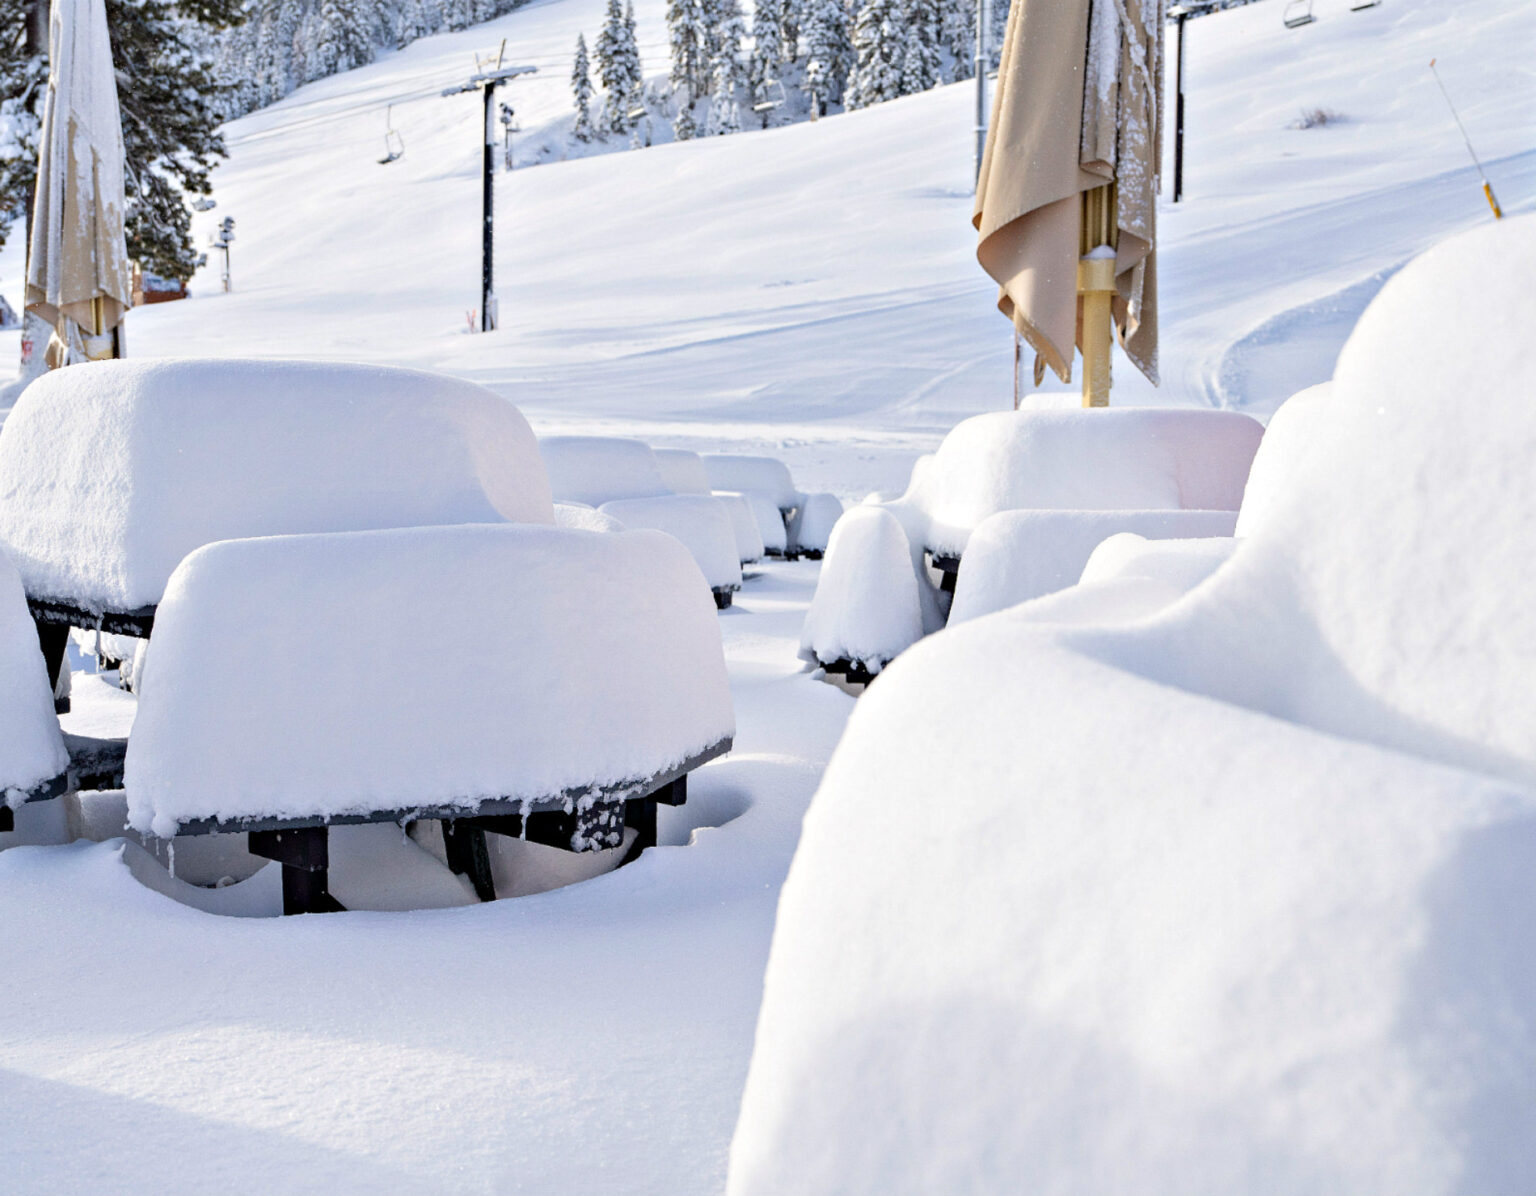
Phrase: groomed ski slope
(811,290)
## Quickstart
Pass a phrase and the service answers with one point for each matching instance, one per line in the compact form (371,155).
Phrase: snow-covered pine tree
(686,36)
(791,18)
(767,51)
(824,31)
(880,44)
(581,85)
(343,38)
(920,66)
(618,66)
(725,29)
(684,127)
(23,82)
(957,37)
(634,92)
(724,115)
(998,12)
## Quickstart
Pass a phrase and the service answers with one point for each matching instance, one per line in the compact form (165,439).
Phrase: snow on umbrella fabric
(1077,107)
(77,270)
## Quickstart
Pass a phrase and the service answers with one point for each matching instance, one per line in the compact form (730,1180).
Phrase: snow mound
(1211,902)
(31,747)
(1183,564)
(702,524)
(767,476)
(768,517)
(865,608)
(1122,459)
(596,469)
(1015,556)
(682,471)
(749,541)
(609,669)
(811,527)
(112,472)
(1296,430)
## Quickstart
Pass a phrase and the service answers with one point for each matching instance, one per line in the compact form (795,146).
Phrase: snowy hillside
(820,278)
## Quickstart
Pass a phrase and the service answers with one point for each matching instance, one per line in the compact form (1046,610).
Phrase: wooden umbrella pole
(1096,288)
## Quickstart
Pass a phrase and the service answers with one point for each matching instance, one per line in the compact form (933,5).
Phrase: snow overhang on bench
(33,761)
(353,688)
(111,473)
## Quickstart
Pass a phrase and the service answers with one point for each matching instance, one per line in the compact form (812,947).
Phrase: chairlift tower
(486,82)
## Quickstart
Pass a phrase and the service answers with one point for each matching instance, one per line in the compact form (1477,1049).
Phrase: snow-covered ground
(809,291)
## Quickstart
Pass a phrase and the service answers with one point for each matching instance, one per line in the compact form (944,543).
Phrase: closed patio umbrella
(1066,198)
(77,267)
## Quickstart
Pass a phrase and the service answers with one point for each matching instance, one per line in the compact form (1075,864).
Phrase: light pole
(1180,14)
(981,83)
(222,240)
(486,82)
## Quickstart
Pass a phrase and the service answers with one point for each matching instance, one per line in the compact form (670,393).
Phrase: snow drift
(1237,899)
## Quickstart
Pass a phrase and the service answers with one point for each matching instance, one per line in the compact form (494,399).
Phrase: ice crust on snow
(1223,901)
(682,471)
(811,528)
(608,668)
(865,608)
(112,472)
(767,476)
(1014,556)
(31,747)
(699,522)
(597,469)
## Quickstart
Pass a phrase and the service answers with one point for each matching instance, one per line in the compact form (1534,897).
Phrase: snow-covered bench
(1235,898)
(33,761)
(608,688)
(810,529)
(623,478)
(112,472)
(768,486)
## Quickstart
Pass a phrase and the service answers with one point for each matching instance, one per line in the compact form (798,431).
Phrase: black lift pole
(486,82)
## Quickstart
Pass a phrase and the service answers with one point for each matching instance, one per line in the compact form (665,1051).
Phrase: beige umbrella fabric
(77,267)
(1077,106)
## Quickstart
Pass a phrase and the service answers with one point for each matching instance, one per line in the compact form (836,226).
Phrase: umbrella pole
(1096,291)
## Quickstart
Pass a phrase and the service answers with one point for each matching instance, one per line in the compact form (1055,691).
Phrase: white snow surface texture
(699,522)
(609,669)
(767,476)
(112,472)
(1235,900)
(31,748)
(598,469)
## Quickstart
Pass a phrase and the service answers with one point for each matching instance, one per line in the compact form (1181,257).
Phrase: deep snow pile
(702,524)
(598,469)
(31,750)
(1208,904)
(865,608)
(610,671)
(111,473)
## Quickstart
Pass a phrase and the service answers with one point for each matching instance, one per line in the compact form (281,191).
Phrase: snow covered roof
(112,472)
(31,747)
(598,469)
(1219,901)
(608,669)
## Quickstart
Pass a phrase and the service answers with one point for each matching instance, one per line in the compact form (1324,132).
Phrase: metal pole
(1178,115)
(981,83)
(487,214)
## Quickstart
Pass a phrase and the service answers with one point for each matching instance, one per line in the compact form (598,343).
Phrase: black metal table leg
(53,639)
(469,856)
(304,853)
(7,819)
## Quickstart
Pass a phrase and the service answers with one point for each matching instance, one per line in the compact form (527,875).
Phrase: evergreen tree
(23,83)
(724,115)
(791,18)
(635,91)
(581,85)
(767,51)
(618,66)
(684,127)
(999,14)
(825,34)
(880,44)
(343,39)
(920,66)
(957,36)
(686,36)
(724,31)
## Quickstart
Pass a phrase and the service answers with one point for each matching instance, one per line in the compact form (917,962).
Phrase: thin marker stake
(1493,203)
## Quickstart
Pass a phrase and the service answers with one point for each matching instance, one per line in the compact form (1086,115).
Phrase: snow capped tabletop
(767,476)
(814,519)
(1015,556)
(768,516)
(700,522)
(682,471)
(112,472)
(749,541)
(1129,459)
(1220,901)
(598,469)
(31,746)
(609,669)
(865,608)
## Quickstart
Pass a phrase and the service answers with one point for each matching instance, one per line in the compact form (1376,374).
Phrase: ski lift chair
(394,144)
(773,97)
(1362,5)
(1298,13)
